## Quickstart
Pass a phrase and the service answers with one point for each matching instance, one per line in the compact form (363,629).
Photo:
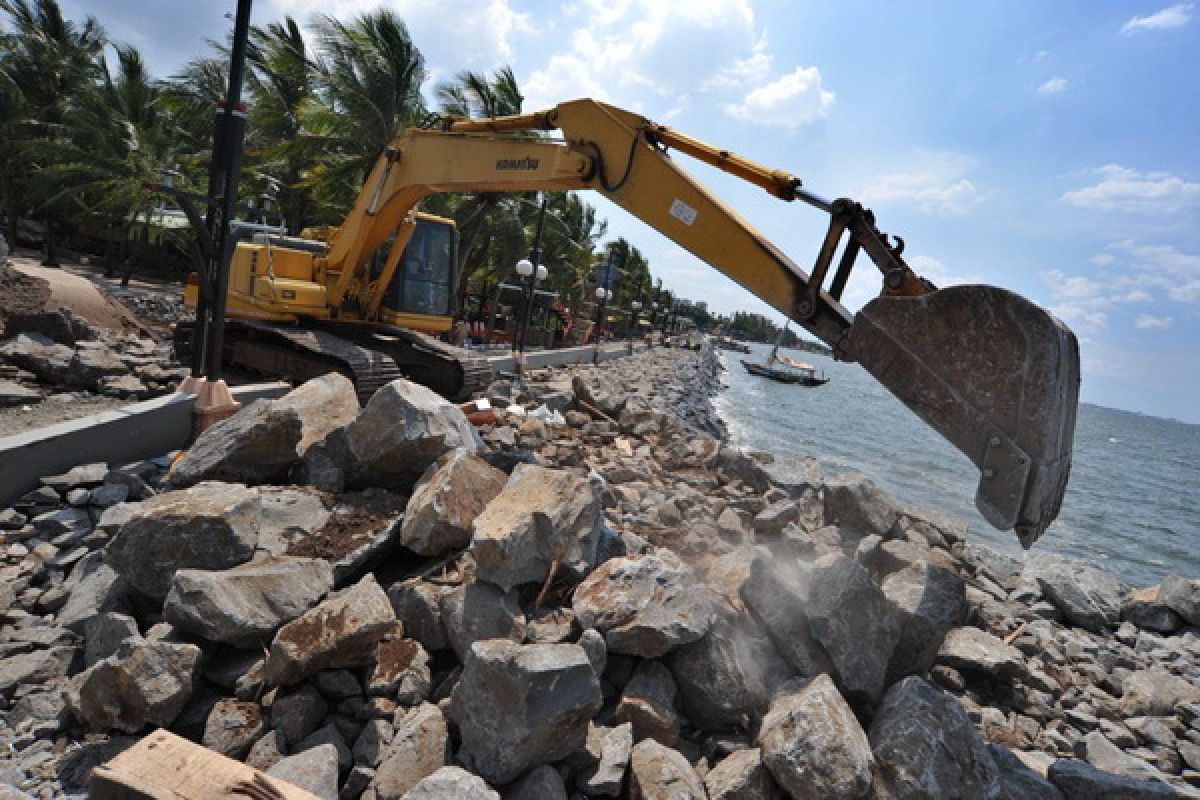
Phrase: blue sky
(1051,148)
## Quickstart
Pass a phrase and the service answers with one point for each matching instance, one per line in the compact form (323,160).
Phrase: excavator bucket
(997,376)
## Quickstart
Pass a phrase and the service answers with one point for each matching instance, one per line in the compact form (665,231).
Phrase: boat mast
(778,341)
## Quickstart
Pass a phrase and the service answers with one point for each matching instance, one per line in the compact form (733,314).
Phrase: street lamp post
(531,276)
(635,307)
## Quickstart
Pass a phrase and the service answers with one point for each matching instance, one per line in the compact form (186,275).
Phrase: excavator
(992,372)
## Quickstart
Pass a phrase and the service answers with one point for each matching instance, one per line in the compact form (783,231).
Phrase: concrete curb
(568,355)
(120,436)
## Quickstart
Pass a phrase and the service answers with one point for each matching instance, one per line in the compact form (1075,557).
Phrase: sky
(1049,148)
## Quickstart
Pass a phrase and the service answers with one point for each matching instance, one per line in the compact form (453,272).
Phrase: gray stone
(1086,595)
(475,611)
(267,751)
(971,650)
(730,673)
(404,428)
(417,750)
(356,783)
(592,642)
(314,770)
(143,683)
(298,714)
(540,783)
(245,605)
(446,501)
(14,394)
(369,747)
(854,502)
(1018,780)
(1181,596)
(542,516)
(813,745)
(210,526)
(104,633)
(1105,755)
(648,704)
(232,728)
(1156,692)
(660,773)
(453,782)
(95,588)
(37,667)
(327,735)
(776,591)
(1151,616)
(517,706)
(39,354)
(742,775)
(606,777)
(927,602)
(926,746)
(341,631)
(1079,780)
(418,604)
(400,671)
(91,364)
(645,605)
(289,514)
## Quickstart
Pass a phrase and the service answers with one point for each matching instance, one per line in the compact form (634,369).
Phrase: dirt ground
(21,293)
(72,291)
(52,411)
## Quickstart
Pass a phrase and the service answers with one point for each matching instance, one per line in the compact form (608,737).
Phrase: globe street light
(635,306)
(530,277)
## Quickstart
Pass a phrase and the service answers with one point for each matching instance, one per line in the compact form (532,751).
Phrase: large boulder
(417,750)
(927,747)
(814,746)
(648,704)
(261,442)
(39,354)
(731,672)
(659,773)
(341,631)
(1086,595)
(446,501)
(645,605)
(542,516)
(314,770)
(404,428)
(1181,596)
(453,782)
(517,706)
(209,526)
(475,611)
(1156,692)
(232,727)
(927,601)
(776,591)
(972,650)
(244,605)
(854,502)
(1079,780)
(613,748)
(146,682)
(35,668)
(1019,780)
(741,775)
(91,363)
(95,588)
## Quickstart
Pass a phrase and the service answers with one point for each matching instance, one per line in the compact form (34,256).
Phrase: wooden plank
(163,766)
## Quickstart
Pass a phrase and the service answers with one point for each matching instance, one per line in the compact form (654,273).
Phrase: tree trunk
(51,259)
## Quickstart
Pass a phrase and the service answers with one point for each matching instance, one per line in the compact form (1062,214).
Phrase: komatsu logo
(527,163)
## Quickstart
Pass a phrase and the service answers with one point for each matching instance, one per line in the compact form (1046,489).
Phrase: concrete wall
(121,436)
(568,355)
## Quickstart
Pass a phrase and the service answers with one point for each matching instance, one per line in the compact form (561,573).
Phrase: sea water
(1132,505)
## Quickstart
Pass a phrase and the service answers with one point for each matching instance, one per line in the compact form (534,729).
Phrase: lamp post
(635,307)
(602,296)
(531,276)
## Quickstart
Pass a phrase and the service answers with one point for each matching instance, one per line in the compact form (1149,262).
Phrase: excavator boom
(995,374)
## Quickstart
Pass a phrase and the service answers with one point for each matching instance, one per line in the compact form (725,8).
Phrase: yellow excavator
(993,373)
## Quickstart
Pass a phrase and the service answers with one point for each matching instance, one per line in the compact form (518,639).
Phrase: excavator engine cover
(996,375)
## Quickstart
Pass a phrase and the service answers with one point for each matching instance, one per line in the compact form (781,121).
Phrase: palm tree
(13,112)
(368,88)
(52,60)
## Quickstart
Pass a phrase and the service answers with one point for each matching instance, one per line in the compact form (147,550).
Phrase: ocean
(1132,505)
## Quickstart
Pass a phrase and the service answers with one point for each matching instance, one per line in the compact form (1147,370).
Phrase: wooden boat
(785,370)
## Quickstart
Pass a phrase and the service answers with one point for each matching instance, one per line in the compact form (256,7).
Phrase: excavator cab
(421,294)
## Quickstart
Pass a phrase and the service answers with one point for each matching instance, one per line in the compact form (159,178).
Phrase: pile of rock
(392,603)
(56,351)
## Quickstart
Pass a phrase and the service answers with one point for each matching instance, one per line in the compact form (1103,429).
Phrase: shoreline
(683,594)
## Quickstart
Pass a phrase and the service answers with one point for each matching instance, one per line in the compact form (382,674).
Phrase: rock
(356,783)
(210,526)
(122,386)
(97,588)
(39,354)
(607,775)
(446,501)
(263,441)
(59,325)
(298,714)
(927,601)
(92,363)
(1086,595)
(400,671)
(375,736)
(1150,615)
(14,394)
(453,782)
(854,502)
(540,783)
(813,745)
(776,591)
(1156,692)
(660,773)
(289,514)
(1105,755)
(730,673)
(1181,596)
(143,683)
(404,428)
(328,735)
(1079,780)
(267,751)
(648,703)
(315,771)
(849,616)
(104,633)
(517,706)
(418,749)
(233,727)
(475,611)
(245,605)
(645,605)
(971,650)
(418,605)
(741,776)
(341,631)
(592,642)
(37,667)
(540,517)
(1018,780)
(926,746)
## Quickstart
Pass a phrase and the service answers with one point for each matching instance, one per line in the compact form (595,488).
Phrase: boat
(786,370)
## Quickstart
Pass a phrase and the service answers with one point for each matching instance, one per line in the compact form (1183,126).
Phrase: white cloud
(1122,189)
(789,101)
(1147,322)
(938,188)
(1053,86)
(1170,17)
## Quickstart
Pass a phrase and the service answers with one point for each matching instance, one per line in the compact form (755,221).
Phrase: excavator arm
(996,375)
